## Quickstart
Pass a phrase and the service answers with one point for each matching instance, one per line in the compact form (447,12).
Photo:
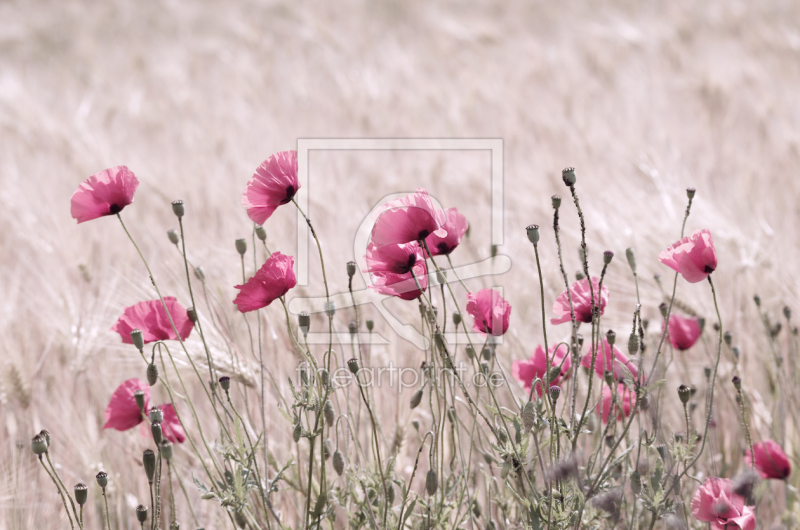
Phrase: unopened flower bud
(631,259)
(149,461)
(636,482)
(330,414)
(156,415)
(39,444)
(173,236)
(165,446)
(191,314)
(633,344)
(568,176)
(757,300)
(554,373)
(178,208)
(353,328)
(338,462)
(415,424)
(431,482)
(684,392)
(102,479)
(352,365)
(225,382)
(304,321)
(502,435)
(608,375)
(261,233)
(240,519)
(241,246)
(138,396)
(200,273)
(138,339)
(728,336)
(155,429)
(141,513)
(556,200)
(327,448)
(297,432)
(611,337)
(528,416)
(607,256)
(555,391)
(370,325)
(152,374)
(737,382)
(416,399)
(351,269)
(663,307)
(662,451)
(533,234)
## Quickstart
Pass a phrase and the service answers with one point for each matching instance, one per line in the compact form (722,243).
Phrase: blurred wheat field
(644,99)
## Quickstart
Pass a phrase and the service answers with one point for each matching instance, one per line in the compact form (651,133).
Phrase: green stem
(60,492)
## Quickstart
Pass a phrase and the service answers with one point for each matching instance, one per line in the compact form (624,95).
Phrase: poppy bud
(728,336)
(351,269)
(149,461)
(608,375)
(416,399)
(636,482)
(152,374)
(156,416)
(174,525)
(327,448)
(415,424)
(607,256)
(644,402)
(102,479)
(173,236)
(707,372)
(554,372)
(199,273)
(736,352)
(470,351)
(662,451)
(138,396)
(631,259)
(451,414)
(39,444)
(684,393)
(502,435)
(476,509)
(690,193)
(431,482)
(303,377)
(304,321)
(556,200)
(633,344)
(330,308)
(338,462)
(610,441)
(579,275)
(390,493)
(81,493)
(568,175)
(138,339)
(352,327)
(370,325)
(352,365)
(533,234)
(737,382)
(485,368)
(155,429)
(46,435)
(241,246)
(178,208)
(757,300)
(663,307)
(297,432)
(611,337)
(141,513)
(330,414)
(555,391)
(528,416)
(225,382)
(165,446)
(191,314)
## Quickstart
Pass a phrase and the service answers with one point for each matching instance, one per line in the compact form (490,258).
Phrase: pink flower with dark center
(625,398)
(274,183)
(581,302)
(456,226)
(171,426)
(151,318)
(412,218)
(104,193)
(693,256)
(771,461)
(714,502)
(683,331)
(397,259)
(612,359)
(490,312)
(401,285)
(273,280)
(526,371)
(122,412)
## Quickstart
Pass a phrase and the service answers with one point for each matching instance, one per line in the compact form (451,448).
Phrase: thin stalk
(105,501)
(66,491)
(60,493)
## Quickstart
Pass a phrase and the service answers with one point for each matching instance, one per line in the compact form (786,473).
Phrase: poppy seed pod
(138,396)
(441,277)
(415,424)
(149,461)
(663,307)
(787,312)
(241,246)
(707,372)
(416,399)
(225,382)
(533,234)
(579,276)
(757,300)
(352,365)
(352,327)
(102,479)
(38,444)
(431,482)
(470,351)
(611,337)
(728,337)
(141,513)
(684,392)
(568,176)
(528,416)
(662,451)
(297,433)
(338,462)
(330,308)
(390,494)
(138,339)
(191,314)
(156,415)
(701,323)
(737,382)
(199,273)
(633,344)
(736,352)
(494,250)
(81,493)
(607,256)
(579,337)
(304,322)
(631,259)
(46,435)
(178,208)
(486,353)
(152,374)
(261,234)
(555,391)
(456,319)
(608,375)
(370,325)
(155,429)
(174,525)
(351,269)
(330,414)
(173,236)
(485,368)
(690,192)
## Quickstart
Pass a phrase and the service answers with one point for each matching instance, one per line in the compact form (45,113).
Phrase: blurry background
(644,99)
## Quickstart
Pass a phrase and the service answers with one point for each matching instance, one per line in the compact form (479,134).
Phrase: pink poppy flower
(274,183)
(401,285)
(171,426)
(273,280)
(715,503)
(151,318)
(456,226)
(581,302)
(693,256)
(526,371)
(625,398)
(122,413)
(104,193)
(683,331)
(397,259)
(412,218)
(490,312)
(771,461)
(610,358)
